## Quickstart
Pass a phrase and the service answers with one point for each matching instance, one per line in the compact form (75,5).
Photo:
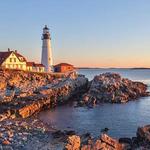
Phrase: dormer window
(21,58)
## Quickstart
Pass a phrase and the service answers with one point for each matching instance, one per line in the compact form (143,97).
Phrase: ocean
(121,119)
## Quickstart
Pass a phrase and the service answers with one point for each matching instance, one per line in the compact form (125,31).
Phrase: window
(21,58)
(10,59)
(14,59)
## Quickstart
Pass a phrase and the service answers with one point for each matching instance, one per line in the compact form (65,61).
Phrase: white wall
(13,62)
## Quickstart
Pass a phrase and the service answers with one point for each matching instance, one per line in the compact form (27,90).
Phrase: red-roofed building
(32,66)
(29,66)
(14,60)
(63,67)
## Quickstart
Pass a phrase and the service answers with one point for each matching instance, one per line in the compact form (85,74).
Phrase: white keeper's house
(13,60)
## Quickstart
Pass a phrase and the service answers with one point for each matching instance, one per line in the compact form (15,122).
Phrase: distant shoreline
(141,68)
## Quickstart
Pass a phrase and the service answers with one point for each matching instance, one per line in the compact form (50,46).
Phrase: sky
(85,33)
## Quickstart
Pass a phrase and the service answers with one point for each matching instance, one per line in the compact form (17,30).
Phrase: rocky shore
(26,134)
(23,94)
(15,134)
(112,88)
(105,142)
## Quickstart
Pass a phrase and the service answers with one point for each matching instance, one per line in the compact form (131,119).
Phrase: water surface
(121,119)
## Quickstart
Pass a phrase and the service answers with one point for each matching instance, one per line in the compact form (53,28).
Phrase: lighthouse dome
(45,28)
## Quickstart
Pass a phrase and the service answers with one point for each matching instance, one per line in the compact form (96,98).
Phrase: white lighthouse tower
(46,50)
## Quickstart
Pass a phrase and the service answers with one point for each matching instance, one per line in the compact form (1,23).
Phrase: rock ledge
(112,88)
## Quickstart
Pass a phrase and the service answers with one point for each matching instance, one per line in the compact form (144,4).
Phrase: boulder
(6,142)
(143,134)
(5,115)
(112,88)
(110,141)
(85,142)
(73,143)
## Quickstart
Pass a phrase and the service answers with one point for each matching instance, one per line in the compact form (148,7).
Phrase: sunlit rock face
(75,142)
(20,83)
(52,95)
(112,88)
(104,141)
(25,93)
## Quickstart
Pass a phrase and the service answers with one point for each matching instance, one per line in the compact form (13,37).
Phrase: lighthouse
(46,50)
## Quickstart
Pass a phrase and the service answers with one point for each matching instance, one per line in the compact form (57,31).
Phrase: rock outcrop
(31,132)
(52,95)
(143,135)
(17,83)
(19,134)
(33,92)
(87,142)
(74,142)
(112,88)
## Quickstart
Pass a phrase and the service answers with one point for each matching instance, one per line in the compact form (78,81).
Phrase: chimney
(8,49)
(15,51)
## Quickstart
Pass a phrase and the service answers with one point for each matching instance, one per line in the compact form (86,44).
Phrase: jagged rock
(6,142)
(30,109)
(5,115)
(111,88)
(27,82)
(105,142)
(143,134)
(3,84)
(110,141)
(105,130)
(73,143)
(27,93)
(55,95)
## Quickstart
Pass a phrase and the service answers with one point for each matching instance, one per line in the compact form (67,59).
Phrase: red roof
(19,56)
(63,64)
(33,64)
(5,55)
(39,65)
(30,63)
